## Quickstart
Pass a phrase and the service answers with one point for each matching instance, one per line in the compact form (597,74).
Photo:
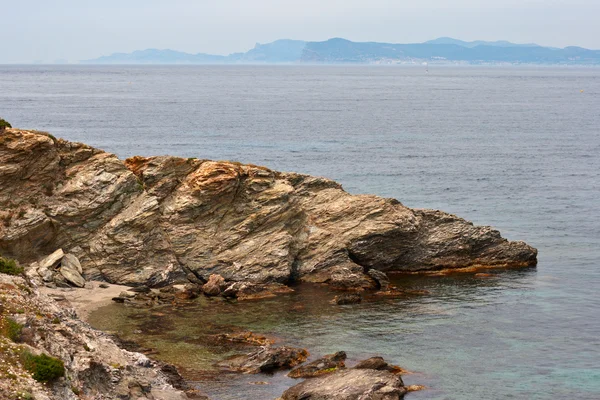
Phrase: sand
(85,300)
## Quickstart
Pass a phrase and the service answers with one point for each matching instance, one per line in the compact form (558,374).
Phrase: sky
(73,30)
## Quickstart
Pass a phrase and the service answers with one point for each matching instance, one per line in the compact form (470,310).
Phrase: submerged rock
(177,217)
(349,384)
(248,338)
(250,291)
(266,359)
(324,365)
(347,298)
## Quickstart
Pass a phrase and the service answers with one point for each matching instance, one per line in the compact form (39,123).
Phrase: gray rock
(383,282)
(46,274)
(60,281)
(70,273)
(52,261)
(349,384)
(71,262)
(266,359)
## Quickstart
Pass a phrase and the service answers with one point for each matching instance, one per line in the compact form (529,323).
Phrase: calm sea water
(515,148)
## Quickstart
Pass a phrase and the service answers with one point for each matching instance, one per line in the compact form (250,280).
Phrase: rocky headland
(162,220)
(171,229)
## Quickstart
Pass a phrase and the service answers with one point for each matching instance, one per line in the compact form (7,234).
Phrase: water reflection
(412,331)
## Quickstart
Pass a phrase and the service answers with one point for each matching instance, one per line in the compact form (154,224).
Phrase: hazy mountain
(338,50)
(155,56)
(498,43)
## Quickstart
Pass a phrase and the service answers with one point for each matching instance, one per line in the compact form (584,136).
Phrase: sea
(517,148)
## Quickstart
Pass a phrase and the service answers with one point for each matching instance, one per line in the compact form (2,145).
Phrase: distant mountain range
(341,51)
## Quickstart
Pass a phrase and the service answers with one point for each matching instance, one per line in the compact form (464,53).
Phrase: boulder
(266,359)
(46,273)
(51,262)
(324,365)
(72,275)
(349,384)
(71,262)
(214,285)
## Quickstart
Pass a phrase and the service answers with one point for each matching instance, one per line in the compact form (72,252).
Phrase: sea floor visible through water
(516,148)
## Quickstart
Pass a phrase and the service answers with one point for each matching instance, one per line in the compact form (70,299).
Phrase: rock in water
(379,364)
(324,365)
(349,384)
(383,283)
(266,359)
(175,216)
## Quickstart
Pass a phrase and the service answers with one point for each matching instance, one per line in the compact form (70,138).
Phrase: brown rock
(213,286)
(347,298)
(324,365)
(379,364)
(245,223)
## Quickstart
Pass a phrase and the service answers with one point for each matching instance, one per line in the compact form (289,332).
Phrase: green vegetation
(12,330)
(10,267)
(44,368)
(4,124)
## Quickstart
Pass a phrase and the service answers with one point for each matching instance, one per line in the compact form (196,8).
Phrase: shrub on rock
(4,124)
(43,367)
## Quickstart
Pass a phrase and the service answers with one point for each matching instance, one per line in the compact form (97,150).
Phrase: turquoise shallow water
(516,148)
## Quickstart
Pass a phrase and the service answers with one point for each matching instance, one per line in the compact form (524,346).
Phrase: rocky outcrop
(95,367)
(162,220)
(349,384)
(266,359)
(57,269)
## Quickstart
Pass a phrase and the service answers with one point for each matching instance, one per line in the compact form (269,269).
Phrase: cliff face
(157,220)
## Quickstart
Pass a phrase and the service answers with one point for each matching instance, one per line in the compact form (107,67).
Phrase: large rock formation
(157,220)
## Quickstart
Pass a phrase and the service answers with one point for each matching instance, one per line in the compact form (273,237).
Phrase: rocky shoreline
(166,230)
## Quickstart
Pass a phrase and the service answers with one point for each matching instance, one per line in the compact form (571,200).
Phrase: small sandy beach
(85,300)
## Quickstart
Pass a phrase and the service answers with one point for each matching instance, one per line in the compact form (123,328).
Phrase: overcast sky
(48,30)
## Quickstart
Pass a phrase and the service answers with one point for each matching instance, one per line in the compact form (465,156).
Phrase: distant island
(341,51)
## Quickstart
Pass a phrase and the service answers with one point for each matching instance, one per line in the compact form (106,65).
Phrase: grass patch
(43,367)
(10,267)
(13,330)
